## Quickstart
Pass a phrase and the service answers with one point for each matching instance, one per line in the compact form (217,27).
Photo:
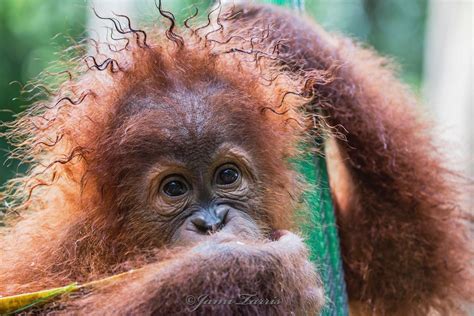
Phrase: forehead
(187,124)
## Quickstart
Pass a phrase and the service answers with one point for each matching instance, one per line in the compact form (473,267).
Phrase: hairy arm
(404,247)
(220,276)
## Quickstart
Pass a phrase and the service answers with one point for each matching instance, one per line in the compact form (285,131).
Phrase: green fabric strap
(321,233)
(320,230)
(295,4)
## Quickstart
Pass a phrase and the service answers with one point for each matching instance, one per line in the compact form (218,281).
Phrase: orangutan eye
(174,186)
(227,174)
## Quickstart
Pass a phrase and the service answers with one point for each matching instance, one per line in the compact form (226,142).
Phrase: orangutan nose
(210,221)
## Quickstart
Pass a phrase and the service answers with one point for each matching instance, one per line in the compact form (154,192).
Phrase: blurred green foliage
(395,28)
(29,28)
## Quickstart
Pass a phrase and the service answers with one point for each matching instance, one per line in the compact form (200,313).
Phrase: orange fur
(404,247)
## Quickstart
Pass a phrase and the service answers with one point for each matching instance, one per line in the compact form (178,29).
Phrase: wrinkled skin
(172,157)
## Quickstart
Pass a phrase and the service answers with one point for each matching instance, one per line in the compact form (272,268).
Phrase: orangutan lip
(277,234)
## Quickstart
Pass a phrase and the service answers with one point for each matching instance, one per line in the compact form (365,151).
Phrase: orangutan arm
(403,246)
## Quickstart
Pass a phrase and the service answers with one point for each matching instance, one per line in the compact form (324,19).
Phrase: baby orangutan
(170,152)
